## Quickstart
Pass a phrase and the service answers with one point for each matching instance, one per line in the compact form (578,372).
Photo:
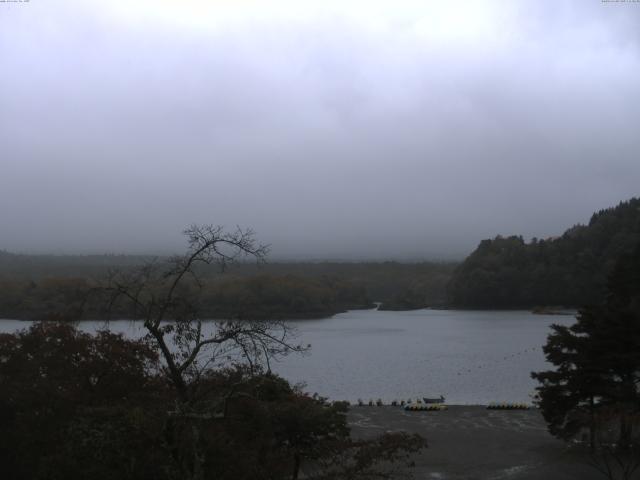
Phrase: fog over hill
(343,130)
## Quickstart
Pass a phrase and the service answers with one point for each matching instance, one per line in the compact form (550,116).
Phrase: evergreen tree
(597,361)
(570,270)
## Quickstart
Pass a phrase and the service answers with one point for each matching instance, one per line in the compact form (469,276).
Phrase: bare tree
(164,296)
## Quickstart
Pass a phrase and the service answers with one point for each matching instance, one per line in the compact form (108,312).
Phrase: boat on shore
(433,400)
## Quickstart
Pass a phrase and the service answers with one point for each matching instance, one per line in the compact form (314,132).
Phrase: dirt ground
(471,442)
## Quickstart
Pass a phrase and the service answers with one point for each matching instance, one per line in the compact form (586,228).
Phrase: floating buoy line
(425,407)
(508,406)
(420,406)
(504,359)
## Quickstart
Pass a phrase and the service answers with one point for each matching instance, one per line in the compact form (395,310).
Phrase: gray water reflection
(468,356)
(471,357)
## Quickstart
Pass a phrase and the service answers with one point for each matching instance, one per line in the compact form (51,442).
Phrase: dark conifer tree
(570,270)
(597,360)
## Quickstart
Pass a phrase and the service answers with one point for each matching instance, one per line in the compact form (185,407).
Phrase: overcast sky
(336,129)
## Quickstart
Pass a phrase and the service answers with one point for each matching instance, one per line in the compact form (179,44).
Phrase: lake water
(470,357)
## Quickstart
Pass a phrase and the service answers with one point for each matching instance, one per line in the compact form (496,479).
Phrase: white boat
(433,400)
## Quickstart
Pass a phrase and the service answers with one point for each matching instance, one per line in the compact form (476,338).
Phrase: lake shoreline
(327,314)
(471,441)
(469,357)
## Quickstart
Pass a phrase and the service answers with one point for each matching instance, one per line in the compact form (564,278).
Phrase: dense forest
(570,270)
(58,287)
(506,272)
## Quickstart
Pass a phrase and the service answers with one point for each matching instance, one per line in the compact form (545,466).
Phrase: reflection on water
(469,357)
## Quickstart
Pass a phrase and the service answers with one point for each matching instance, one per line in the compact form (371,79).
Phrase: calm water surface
(470,357)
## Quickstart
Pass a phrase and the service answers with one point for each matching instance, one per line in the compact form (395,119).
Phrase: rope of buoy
(508,406)
(497,361)
(424,407)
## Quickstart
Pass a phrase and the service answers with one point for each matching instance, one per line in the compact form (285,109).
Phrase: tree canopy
(191,400)
(571,270)
(597,361)
(78,406)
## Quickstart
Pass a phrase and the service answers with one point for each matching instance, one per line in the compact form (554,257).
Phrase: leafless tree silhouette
(164,296)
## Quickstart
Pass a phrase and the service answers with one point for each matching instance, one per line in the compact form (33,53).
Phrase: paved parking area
(471,442)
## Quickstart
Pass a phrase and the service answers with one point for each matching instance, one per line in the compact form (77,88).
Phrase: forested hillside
(49,286)
(571,270)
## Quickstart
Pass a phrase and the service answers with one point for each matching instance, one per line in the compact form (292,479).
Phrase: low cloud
(334,131)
